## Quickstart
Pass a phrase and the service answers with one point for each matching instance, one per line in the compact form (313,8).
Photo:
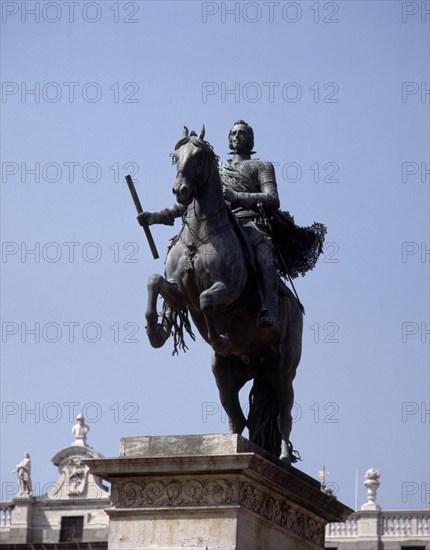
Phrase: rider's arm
(166,216)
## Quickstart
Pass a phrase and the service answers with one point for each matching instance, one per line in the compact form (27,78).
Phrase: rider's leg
(268,278)
(267,273)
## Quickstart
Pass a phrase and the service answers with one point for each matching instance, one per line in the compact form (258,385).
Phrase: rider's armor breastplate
(250,177)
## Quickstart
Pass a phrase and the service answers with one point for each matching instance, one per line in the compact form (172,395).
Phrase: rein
(211,171)
(206,238)
(192,248)
(203,240)
(207,217)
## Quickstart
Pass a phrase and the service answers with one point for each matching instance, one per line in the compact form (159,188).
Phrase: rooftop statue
(80,430)
(23,470)
(224,268)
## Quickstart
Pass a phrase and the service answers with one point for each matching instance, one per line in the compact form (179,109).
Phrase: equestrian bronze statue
(225,269)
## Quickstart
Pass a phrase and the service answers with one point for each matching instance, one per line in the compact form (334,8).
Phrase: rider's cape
(298,247)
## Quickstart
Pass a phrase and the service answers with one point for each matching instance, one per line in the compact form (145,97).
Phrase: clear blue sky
(336,93)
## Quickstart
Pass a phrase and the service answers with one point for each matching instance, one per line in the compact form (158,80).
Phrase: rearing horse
(208,273)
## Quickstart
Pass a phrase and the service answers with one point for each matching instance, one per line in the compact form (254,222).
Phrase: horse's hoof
(289,455)
(222,345)
(286,460)
(157,337)
(237,429)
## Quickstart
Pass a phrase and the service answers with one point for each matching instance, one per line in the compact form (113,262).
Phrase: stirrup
(264,319)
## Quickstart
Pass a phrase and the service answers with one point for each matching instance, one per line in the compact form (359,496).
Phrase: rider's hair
(249,134)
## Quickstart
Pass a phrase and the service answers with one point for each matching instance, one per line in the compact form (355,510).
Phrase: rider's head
(241,137)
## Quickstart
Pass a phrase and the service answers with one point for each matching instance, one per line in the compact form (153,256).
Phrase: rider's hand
(145,217)
(229,194)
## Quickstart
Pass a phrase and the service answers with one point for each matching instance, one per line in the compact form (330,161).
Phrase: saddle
(297,248)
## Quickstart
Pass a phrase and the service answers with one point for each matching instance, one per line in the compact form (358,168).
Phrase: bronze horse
(207,273)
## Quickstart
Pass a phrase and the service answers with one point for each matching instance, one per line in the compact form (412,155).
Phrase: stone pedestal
(211,492)
(21,529)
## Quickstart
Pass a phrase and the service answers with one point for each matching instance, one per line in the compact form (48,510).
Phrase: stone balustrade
(391,524)
(6,515)
(406,524)
(344,529)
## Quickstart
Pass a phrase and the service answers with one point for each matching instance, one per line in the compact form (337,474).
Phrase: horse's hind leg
(290,358)
(230,376)
(158,285)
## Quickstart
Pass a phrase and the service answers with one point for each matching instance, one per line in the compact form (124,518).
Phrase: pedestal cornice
(243,486)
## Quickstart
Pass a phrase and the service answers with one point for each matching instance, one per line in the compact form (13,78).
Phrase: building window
(72,528)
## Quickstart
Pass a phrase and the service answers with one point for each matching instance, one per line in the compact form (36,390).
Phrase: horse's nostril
(183,191)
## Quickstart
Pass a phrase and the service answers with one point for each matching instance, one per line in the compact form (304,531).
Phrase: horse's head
(193,157)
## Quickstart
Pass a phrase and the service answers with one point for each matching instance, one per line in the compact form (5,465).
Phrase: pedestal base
(211,492)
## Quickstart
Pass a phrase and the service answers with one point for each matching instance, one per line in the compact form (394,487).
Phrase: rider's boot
(268,279)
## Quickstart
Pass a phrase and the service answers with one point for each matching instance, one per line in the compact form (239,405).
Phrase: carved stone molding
(282,513)
(213,492)
(189,492)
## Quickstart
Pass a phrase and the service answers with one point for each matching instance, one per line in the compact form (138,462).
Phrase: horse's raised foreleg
(157,332)
(217,294)
(230,376)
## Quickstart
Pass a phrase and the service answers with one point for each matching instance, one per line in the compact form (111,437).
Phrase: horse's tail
(263,415)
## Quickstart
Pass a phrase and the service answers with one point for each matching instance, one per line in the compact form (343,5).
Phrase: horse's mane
(200,143)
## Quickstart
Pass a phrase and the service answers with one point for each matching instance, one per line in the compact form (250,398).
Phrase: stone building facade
(72,511)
